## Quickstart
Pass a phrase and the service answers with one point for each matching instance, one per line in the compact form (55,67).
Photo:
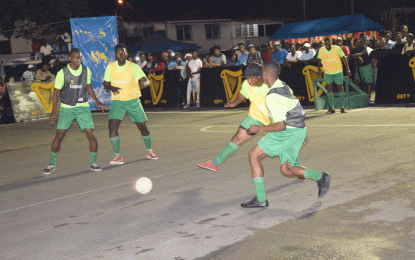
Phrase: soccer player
(254,89)
(72,83)
(125,80)
(331,57)
(285,137)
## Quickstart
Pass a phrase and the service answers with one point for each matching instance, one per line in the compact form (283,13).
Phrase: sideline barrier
(31,99)
(354,99)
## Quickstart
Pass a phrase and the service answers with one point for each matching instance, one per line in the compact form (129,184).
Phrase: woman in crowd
(253,56)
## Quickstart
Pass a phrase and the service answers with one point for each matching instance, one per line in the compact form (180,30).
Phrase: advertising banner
(96,37)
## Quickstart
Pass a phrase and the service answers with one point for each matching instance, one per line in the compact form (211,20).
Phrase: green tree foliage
(39,18)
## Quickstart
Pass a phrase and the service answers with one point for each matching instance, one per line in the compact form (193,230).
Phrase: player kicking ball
(72,84)
(285,137)
(254,89)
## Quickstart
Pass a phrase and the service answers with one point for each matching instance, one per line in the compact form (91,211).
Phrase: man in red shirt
(35,45)
(266,55)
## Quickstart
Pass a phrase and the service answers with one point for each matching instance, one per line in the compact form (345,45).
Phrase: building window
(212,31)
(246,30)
(184,32)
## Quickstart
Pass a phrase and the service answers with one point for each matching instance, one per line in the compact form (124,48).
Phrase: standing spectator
(43,74)
(345,49)
(266,55)
(376,57)
(279,54)
(389,42)
(365,42)
(195,64)
(47,51)
(331,57)
(162,64)
(218,59)
(140,60)
(182,93)
(207,62)
(308,54)
(151,63)
(253,56)
(292,56)
(244,54)
(359,56)
(29,74)
(233,61)
(57,66)
(36,45)
(404,32)
(409,47)
(397,49)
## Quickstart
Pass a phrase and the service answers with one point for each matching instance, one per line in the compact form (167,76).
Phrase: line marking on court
(91,191)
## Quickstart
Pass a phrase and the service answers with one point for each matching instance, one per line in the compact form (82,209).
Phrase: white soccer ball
(143,185)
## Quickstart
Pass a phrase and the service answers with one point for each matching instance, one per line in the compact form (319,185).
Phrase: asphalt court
(192,213)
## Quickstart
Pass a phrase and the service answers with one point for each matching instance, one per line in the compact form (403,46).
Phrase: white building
(206,33)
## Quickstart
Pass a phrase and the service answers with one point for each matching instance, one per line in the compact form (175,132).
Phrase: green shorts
(336,78)
(132,107)
(366,74)
(248,121)
(82,115)
(287,144)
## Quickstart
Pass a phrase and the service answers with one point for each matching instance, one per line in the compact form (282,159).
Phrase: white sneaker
(198,105)
(186,106)
(49,169)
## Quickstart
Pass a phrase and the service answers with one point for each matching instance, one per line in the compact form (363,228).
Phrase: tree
(40,18)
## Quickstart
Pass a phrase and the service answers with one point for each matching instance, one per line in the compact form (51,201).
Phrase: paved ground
(192,213)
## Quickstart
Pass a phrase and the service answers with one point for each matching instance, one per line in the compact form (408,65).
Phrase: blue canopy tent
(158,43)
(326,26)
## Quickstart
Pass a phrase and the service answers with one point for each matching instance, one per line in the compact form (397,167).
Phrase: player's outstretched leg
(56,146)
(322,178)
(257,169)
(230,149)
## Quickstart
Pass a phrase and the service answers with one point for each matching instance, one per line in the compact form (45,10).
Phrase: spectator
(151,63)
(3,87)
(376,56)
(253,56)
(345,49)
(389,42)
(43,74)
(298,46)
(244,54)
(207,62)
(182,80)
(35,45)
(233,61)
(308,54)
(47,51)
(409,47)
(360,58)
(29,74)
(3,97)
(279,54)
(286,46)
(218,59)
(57,66)
(365,42)
(195,64)
(266,55)
(292,56)
(404,32)
(397,49)
(375,44)
(140,60)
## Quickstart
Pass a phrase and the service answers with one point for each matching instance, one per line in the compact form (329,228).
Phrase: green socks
(115,141)
(227,151)
(53,157)
(93,157)
(342,98)
(330,99)
(314,175)
(147,141)
(260,189)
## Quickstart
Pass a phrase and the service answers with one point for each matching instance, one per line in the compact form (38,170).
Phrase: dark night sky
(161,10)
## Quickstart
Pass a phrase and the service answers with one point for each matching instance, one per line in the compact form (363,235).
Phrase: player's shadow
(56,176)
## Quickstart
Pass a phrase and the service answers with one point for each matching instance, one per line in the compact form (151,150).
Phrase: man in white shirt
(47,51)
(29,74)
(195,64)
(308,53)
